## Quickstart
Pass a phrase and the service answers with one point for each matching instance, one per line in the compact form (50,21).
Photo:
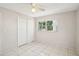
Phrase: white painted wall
(9,42)
(0,34)
(65,35)
(77,32)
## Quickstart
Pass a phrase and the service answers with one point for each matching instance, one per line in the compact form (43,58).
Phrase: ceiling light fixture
(33,9)
(36,7)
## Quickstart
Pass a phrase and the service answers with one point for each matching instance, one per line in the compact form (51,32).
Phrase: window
(49,25)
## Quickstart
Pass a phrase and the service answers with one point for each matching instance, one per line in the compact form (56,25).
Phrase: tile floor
(39,49)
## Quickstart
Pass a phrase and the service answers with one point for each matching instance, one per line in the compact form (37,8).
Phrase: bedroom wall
(65,35)
(9,42)
(77,32)
(0,33)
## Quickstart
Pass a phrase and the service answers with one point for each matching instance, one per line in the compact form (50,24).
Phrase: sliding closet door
(22,31)
(31,29)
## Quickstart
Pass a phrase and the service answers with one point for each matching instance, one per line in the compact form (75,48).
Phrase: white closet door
(31,29)
(22,31)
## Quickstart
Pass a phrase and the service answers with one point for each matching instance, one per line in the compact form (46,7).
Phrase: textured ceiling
(50,8)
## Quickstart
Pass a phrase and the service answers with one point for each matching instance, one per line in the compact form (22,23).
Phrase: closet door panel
(22,31)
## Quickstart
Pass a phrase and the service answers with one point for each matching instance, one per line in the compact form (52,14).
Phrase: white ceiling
(50,8)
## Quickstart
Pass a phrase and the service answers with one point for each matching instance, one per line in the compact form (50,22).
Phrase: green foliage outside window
(48,25)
